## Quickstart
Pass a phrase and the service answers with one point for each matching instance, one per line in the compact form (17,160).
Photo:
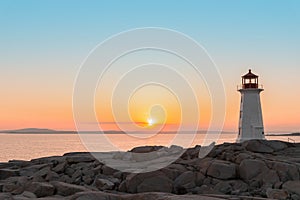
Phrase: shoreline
(254,169)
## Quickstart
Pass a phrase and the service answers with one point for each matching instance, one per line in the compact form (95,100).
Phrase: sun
(150,122)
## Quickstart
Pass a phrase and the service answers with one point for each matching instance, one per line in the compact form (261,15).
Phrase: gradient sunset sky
(43,43)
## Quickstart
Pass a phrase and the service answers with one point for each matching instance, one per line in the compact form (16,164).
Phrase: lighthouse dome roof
(250,75)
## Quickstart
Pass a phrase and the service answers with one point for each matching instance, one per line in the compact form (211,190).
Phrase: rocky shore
(251,170)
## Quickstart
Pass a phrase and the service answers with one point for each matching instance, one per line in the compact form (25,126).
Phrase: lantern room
(250,80)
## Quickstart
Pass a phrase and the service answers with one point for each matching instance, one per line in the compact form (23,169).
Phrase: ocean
(29,146)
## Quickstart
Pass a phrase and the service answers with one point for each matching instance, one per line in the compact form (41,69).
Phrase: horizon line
(47,130)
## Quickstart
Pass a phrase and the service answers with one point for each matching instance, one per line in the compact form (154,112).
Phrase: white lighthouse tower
(251,121)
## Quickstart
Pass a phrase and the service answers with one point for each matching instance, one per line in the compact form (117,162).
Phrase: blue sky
(65,24)
(66,30)
(43,41)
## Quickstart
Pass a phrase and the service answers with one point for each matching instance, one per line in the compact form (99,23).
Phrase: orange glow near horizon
(59,115)
(54,110)
(17,117)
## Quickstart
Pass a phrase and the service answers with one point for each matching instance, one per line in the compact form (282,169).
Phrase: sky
(43,44)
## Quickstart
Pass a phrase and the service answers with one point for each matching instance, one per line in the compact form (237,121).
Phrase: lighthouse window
(263,133)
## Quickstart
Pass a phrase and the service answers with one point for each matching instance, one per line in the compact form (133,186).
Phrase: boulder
(203,164)
(29,195)
(87,180)
(97,169)
(276,194)
(9,187)
(122,187)
(171,173)
(278,185)
(228,156)
(141,157)
(223,187)
(66,189)
(6,196)
(155,184)
(77,174)
(179,167)
(79,159)
(285,171)
(77,154)
(292,187)
(203,189)
(106,170)
(191,153)
(65,179)
(6,173)
(40,189)
(52,176)
(242,156)
(69,171)
(270,178)
(103,184)
(81,165)
(4,165)
(86,171)
(238,186)
(19,163)
(42,172)
(161,181)
(120,175)
(207,181)
(234,147)
(222,170)
(19,180)
(31,170)
(257,146)
(14,185)
(295,197)
(145,149)
(199,178)
(276,145)
(112,179)
(60,168)
(53,160)
(250,168)
(184,182)
(255,184)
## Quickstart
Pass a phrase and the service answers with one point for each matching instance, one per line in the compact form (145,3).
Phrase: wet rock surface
(250,170)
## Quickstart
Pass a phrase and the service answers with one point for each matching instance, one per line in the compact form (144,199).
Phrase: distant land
(283,134)
(52,131)
(36,131)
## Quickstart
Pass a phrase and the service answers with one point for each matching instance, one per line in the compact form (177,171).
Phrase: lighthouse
(251,119)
